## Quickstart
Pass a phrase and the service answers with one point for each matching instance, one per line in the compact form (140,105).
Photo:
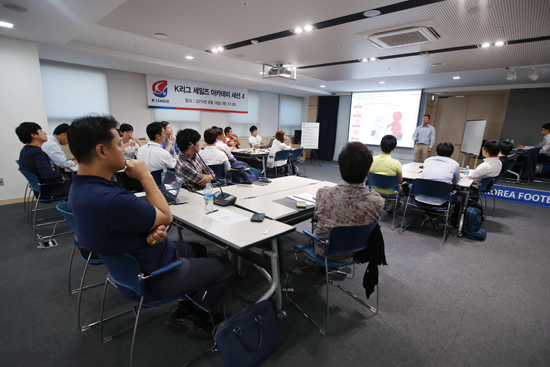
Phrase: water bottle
(512,141)
(208,198)
(163,175)
(467,171)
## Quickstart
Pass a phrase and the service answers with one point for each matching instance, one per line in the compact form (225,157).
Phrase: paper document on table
(226,217)
(308,198)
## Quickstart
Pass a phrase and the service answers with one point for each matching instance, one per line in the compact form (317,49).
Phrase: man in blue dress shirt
(424,139)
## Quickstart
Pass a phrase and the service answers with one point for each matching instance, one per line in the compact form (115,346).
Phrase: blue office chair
(219,171)
(297,156)
(90,258)
(341,240)
(36,190)
(27,197)
(281,155)
(125,273)
(377,181)
(430,196)
(486,188)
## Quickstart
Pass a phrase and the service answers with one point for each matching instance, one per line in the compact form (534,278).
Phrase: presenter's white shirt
(253,141)
(155,157)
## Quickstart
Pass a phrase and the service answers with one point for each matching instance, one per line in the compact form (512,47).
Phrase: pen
(213,211)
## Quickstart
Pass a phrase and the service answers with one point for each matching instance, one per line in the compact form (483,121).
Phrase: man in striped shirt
(196,174)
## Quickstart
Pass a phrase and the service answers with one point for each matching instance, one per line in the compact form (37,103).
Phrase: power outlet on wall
(1,182)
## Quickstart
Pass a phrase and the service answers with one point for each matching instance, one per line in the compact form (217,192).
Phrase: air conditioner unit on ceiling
(403,37)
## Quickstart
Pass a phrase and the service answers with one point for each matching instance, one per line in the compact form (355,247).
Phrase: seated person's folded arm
(139,171)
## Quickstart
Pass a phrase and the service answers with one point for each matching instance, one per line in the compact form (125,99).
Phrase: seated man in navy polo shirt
(33,159)
(97,204)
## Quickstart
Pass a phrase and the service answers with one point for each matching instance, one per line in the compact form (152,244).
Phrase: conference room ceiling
(118,34)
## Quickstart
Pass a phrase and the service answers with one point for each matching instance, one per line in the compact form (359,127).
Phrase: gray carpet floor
(466,303)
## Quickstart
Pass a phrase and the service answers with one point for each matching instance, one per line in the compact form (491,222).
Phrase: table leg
(263,165)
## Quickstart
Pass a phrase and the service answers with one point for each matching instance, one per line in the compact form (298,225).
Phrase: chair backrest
(124,270)
(487,183)
(430,191)
(349,239)
(383,182)
(33,180)
(297,153)
(282,155)
(218,170)
(63,208)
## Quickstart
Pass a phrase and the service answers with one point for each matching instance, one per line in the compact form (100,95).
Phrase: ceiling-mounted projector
(279,70)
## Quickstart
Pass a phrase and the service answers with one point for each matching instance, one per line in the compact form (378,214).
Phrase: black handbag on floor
(248,337)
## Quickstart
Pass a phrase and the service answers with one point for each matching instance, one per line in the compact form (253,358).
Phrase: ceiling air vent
(403,37)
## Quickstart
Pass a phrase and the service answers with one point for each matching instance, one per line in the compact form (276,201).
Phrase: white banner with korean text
(180,94)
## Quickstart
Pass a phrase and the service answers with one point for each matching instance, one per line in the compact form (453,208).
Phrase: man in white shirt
(254,139)
(491,165)
(442,167)
(155,157)
(220,143)
(211,155)
(54,150)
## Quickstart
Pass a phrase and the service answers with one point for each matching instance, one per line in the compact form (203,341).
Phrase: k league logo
(160,88)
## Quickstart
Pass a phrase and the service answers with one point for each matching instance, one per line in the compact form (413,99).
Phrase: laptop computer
(171,186)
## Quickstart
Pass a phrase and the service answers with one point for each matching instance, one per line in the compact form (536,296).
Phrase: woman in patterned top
(349,203)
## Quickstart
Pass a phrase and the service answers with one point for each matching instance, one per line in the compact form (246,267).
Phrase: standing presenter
(424,139)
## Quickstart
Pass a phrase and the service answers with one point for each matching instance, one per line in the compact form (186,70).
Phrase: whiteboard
(310,135)
(473,136)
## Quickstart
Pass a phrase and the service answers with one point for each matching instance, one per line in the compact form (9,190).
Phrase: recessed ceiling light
(298,30)
(486,44)
(381,82)
(6,24)
(14,7)
(262,73)
(371,13)
(214,50)
(254,42)
(373,59)
(308,28)
(363,60)
(322,86)
(479,9)
(456,77)
(220,49)
(189,57)
(161,35)
(499,43)
(438,64)
(259,61)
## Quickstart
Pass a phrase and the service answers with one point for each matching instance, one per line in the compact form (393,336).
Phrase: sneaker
(437,224)
(419,223)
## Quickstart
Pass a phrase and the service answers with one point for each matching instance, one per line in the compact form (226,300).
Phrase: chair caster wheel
(242,274)
(459,235)
(281,315)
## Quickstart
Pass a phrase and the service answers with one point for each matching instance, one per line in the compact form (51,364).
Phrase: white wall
(21,99)
(269,114)
(128,100)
